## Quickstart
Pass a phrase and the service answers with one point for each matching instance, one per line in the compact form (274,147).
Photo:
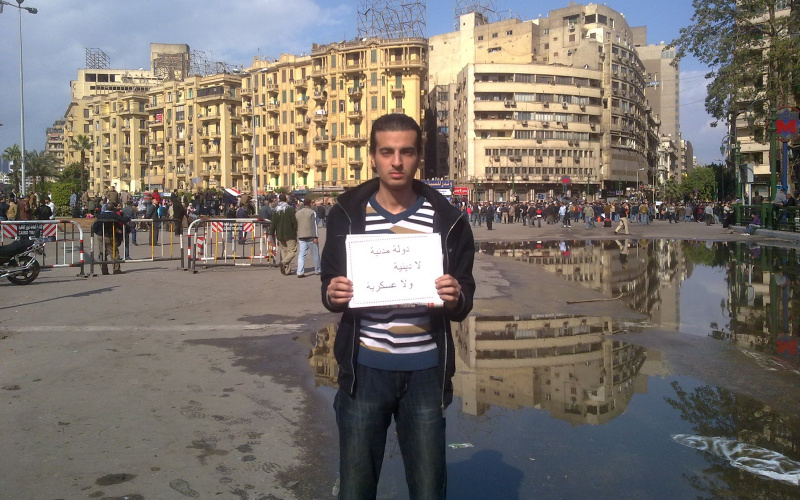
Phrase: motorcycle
(18,261)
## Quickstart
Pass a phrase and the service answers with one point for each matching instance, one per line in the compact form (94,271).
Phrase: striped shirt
(398,338)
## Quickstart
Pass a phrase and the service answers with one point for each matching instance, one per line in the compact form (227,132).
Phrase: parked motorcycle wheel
(26,277)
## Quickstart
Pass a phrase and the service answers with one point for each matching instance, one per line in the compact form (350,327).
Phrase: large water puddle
(558,406)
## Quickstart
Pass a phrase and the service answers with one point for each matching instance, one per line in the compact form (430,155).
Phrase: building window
(509,32)
(494,35)
(480,37)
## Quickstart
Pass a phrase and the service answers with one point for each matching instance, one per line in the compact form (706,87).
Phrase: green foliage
(699,184)
(60,192)
(39,166)
(751,51)
(13,154)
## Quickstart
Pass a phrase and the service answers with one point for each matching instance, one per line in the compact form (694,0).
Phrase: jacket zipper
(444,319)
(353,346)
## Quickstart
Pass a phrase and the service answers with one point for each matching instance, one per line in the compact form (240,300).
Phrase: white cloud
(55,39)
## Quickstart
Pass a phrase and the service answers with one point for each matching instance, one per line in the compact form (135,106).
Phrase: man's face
(396,158)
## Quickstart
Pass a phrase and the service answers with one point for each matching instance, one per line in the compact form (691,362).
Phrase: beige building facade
(542,108)
(298,123)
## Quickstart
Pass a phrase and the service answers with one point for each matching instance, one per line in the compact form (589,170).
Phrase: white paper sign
(394,269)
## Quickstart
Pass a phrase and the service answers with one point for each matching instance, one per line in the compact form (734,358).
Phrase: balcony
(353,67)
(407,63)
(211,153)
(273,168)
(301,146)
(155,123)
(271,128)
(301,83)
(273,107)
(301,103)
(321,140)
(399,110)
(301,125)
(320,164)
(356,162)
(246,91)
(320,96)
(356,92)
(152,107)
(271,87)
(355,114)
(321,116)
(358,139)
(397,90)
(273,148)
(302,167)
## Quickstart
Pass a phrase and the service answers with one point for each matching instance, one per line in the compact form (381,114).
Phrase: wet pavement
(592,367)
(589,406)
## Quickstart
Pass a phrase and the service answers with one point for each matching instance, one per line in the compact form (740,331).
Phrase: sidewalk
(656,229)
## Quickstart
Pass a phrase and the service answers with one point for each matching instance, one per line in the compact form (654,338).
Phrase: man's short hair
(282,197)
(307,202)
(394,122)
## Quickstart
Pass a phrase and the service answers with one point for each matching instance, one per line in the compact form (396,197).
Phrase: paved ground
(162,384)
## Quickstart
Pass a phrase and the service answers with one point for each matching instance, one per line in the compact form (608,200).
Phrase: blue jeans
(415,401)
(305,245)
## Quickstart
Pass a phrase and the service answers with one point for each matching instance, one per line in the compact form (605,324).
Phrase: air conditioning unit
(564,105)
(546,104)
(524,123)
(545,124)
(496,158)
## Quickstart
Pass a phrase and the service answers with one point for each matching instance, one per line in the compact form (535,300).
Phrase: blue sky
(55,39)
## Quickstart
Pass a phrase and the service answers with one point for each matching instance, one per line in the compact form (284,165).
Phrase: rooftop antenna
(391,19)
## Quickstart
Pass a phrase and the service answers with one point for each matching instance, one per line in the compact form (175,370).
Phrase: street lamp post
(638,194)
(31,10)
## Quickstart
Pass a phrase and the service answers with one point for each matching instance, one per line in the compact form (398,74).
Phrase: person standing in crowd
(396,362)
(178,213)
(307,238)
(489,216)
(109,226)
(3,208)
(129,211)
(112,196)
(588,215)
(152,213)
(320,209)
(284,230)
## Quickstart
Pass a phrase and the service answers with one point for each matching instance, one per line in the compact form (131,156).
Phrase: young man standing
(395,361)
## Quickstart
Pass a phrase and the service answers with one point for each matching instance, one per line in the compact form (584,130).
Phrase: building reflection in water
(562,364)
(759,311)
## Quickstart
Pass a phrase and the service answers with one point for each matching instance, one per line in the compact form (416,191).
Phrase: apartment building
(54,141)
(300,123)
(751,133)
(353,84)
(541,108)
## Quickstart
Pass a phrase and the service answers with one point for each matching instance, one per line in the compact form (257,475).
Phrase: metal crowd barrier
(151,240)
(779,218)
(65,235)
(231,242)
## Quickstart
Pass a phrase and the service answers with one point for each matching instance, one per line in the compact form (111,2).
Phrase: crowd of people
(35,206)
(621,212)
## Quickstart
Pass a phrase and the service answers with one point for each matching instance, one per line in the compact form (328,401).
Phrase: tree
(40,165)
(672,190)
(699,183)
(752,52)
(82,144)
(12,154)
(72,175)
